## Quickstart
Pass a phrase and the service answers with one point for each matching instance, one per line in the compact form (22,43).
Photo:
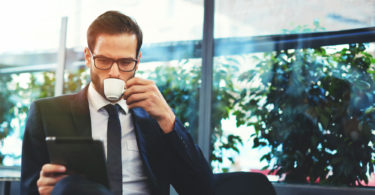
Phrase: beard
(97,83)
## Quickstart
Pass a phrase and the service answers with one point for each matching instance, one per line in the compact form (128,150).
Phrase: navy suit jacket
(168,158)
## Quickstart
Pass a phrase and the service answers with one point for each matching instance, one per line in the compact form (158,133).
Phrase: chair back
(242,183)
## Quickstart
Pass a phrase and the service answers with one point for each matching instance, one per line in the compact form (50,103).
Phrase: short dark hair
(113,23)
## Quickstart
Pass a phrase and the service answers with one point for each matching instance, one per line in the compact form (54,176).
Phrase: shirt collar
(98,101)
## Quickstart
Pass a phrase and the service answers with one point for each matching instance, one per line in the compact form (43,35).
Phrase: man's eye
(103,60)
(126,62)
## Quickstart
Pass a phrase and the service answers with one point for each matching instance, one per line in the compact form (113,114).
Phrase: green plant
(316,113)
(180,86)
(6,113)
(15,96)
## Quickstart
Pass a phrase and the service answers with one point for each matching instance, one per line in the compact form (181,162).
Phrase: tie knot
(112,109)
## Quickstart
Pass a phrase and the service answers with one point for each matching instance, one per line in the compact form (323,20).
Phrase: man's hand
(145,94)
(49,176)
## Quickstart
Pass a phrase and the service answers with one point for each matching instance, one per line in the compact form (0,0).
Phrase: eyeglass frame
(113,62)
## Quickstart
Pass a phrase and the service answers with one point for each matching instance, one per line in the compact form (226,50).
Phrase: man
(155,148)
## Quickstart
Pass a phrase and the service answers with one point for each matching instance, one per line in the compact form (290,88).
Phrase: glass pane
(179,82)
(311,108)
(251,17)
(169,27)
(16,93)
(305,112)
(30,26)
(166,20)
(38,29)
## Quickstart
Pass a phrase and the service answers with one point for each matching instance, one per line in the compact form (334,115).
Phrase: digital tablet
(82,156)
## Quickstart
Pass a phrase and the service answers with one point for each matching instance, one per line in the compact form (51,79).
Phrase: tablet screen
(82,156)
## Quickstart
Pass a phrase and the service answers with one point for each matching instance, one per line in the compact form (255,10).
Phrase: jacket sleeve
(34,152)
(191,172)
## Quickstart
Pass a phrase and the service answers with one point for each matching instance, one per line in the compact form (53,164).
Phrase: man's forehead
(122,43)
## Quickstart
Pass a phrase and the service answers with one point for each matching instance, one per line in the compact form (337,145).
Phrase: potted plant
(315,111)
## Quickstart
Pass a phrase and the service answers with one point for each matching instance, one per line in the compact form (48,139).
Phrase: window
(256,52)
(261,48)
(29,54)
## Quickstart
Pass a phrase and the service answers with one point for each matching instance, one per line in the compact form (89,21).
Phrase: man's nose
(114,72)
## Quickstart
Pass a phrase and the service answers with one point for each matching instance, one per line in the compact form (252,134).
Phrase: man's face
(115,47)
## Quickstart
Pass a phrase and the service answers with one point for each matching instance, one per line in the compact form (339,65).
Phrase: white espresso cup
(113,88)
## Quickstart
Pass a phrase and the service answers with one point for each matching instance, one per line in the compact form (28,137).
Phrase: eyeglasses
(124,64)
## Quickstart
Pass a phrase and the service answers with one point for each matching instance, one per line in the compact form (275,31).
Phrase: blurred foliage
(19,90)
(316,113)
(6,113)
(305,28)
(180,87)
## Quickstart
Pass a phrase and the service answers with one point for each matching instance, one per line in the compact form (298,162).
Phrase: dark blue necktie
(114,162)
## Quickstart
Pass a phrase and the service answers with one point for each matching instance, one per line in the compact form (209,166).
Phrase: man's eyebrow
(127,58)
(124,58)
(101,56)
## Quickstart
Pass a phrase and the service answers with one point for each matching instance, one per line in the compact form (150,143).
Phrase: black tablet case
(82,156)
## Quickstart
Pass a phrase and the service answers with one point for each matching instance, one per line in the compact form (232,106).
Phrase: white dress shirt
(134,178)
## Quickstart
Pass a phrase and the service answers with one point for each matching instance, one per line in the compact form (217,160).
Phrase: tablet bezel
(81,155)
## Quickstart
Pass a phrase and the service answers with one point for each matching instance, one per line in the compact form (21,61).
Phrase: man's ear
(87,57)
(139,60)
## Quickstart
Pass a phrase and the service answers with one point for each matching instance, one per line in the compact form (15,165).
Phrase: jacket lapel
(81,113)
(142,127)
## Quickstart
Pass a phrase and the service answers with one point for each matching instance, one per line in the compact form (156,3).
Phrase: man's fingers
(138,97)
(49,169)
(45,190)
(138,81)
(136,105)
(139,89)
(46,181)
(49,181)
